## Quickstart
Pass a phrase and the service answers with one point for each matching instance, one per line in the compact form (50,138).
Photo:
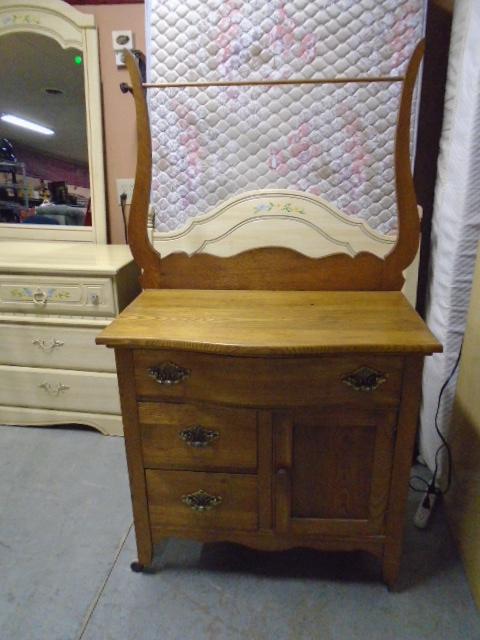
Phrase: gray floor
(66,544)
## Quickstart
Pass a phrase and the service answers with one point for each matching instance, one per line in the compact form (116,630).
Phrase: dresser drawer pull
(364,379)
(198,437)
(40,297)
(168,373)
(201,501)
(48,345)
(53,389)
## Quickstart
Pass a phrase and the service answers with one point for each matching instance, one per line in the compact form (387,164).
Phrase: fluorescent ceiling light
(26,124)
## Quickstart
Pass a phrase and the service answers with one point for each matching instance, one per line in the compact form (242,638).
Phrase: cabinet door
(333,470)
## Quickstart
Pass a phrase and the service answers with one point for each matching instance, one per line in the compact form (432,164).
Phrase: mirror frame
(70,28)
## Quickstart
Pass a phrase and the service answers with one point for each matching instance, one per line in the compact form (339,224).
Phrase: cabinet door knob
(168,373)
(201,501)
(282,472)
(198,437)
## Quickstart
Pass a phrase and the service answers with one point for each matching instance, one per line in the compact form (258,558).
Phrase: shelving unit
(15,168)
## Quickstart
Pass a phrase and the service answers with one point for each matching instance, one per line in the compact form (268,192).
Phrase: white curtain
(456,222)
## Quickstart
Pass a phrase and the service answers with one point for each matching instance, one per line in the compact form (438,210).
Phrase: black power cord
(431,487)
(444,446)
(123,203)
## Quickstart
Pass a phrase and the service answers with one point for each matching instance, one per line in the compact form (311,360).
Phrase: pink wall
(118,108)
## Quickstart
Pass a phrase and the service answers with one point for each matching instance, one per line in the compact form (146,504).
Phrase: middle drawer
(183,436)
(54,347)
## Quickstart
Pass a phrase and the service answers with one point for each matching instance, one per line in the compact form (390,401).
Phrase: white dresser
(54,299)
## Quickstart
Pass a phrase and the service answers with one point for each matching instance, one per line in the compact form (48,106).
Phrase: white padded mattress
(456,221)
(335,141)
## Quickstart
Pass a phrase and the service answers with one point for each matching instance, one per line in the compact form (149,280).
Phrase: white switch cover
(122,40)
(125,185)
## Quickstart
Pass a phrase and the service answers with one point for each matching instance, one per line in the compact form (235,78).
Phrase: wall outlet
(120,59)
(125,185)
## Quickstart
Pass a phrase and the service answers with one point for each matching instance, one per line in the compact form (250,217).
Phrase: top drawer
(360,380)
(57,295)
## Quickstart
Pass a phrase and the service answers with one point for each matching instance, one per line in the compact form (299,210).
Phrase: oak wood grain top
(280,323)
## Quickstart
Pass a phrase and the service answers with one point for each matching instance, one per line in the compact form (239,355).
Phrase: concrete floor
(66,543)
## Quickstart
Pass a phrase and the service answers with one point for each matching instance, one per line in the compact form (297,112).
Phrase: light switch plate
(122,40)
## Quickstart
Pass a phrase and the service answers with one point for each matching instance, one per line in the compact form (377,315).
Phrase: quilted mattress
(456,222)
(335,140)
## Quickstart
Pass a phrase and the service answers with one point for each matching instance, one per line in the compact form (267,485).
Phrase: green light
(78,59)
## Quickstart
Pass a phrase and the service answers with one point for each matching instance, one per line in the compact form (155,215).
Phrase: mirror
(44,175)
(51,164)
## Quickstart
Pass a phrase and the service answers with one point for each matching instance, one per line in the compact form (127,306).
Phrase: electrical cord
(444,444)
(123,203)
(431,487)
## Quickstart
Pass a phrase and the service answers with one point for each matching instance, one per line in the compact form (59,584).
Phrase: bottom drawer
(202,500)
(87,391)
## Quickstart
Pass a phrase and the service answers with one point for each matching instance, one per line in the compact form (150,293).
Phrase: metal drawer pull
(201,501)
(39,297)
(168,373)
(53,389)
(364,379)
(48,345)
(198,437)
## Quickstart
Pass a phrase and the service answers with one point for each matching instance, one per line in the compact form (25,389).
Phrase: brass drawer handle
(168,373)
(201,501)
(198,437)
(48,345)
(53,389)
(364,379)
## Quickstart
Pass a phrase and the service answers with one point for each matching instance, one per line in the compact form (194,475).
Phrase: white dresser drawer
(59,389)
(57,295)
(53,347)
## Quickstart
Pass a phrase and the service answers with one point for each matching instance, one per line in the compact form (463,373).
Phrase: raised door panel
(333,471)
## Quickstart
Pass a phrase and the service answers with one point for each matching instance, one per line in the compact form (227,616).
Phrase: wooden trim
(275,268)
(133,449)
(408,239)
(385,425)
(283,448)
(270,541)
(402,461)
(265,459)
(269,83)
(143,253)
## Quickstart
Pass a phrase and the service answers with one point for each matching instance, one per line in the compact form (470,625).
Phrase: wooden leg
(391,565)
(406,429)
(148,564)
(133,448)
(144,549)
